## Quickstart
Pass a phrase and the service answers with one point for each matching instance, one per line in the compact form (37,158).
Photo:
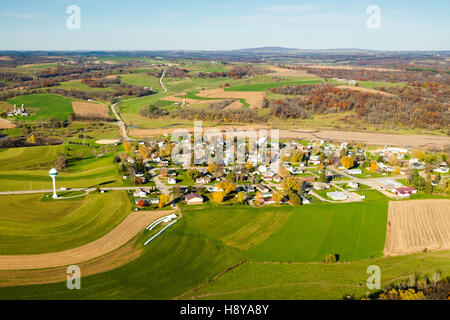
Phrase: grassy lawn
(44,105)
(32,226)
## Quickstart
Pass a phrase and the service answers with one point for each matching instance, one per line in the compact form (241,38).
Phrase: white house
(353,185)
(355,171)
(442,170)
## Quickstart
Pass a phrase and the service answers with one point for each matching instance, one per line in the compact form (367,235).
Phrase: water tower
(53,173)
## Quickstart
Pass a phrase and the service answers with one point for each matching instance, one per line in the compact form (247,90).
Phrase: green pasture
(44,105)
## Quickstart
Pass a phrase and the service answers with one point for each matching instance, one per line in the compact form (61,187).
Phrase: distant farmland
(44,105)
(265,86)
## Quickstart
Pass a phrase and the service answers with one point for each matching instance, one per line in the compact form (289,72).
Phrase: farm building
(337,196)
(388,184)
(395,150)
(355,171)
(262,188)
(321,186)
(405,192)
(193,198)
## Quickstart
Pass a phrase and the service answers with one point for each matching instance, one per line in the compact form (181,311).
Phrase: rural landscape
(344,168)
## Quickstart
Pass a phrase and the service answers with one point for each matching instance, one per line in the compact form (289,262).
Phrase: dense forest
(408,106)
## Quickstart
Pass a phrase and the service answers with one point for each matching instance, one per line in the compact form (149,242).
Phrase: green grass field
(29,158)
(354,231)
(265,86)
(29,225)
(45,106)
(141,80)
(24,173)
(205,243)
(78,86)
(305,281)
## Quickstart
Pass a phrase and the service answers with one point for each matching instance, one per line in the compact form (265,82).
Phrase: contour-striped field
(119,236)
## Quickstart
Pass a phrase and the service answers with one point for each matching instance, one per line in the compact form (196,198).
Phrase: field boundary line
(180,297)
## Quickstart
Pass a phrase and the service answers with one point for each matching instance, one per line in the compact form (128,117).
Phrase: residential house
(194,198)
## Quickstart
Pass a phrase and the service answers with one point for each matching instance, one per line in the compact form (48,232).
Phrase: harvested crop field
(370,138)
(87,109)
(254,99)
(350,68)
(417,225)
(284,72)
(115,239)
(5,124)
(176,98)
(403,140)
(366,90)
(145,133)
(236,105)
(106,141)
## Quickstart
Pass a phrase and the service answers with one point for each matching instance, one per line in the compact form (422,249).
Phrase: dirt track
(284,72)
(351,68)
(370,138)
(5,124)
(176,98)
(366,90)
(416,225)
(122,234)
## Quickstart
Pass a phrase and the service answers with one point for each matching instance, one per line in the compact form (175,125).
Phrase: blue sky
(223,25)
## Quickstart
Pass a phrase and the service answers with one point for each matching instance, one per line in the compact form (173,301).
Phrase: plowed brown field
(86,108)
(416,225)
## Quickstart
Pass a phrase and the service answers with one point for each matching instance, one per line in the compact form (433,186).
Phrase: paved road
(120,123)
(87,190)
(161,81)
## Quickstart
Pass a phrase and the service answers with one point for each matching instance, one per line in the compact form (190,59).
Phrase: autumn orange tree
(218,196)
(241,197)
(373,166)
(227,186)
(347,162)
(164,200)
(420,155)
(292,183)
(277,197)
(145,151)
(128,147)
(31,139)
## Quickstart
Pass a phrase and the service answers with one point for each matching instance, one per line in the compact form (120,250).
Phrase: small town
(308,172)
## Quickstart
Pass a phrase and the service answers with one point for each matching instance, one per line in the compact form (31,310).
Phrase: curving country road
(120,123)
